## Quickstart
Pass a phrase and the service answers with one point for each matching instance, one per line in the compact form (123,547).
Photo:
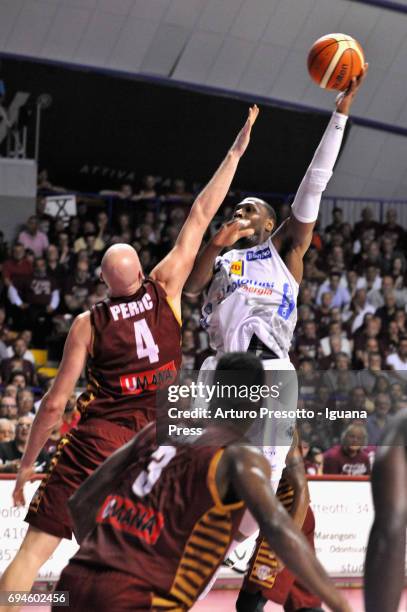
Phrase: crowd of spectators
(350,343)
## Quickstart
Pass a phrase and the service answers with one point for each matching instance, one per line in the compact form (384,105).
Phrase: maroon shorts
(286,590)
(103,590)
(78,454)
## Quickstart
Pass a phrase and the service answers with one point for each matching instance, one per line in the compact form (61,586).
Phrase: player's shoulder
(242,455)
(81,323)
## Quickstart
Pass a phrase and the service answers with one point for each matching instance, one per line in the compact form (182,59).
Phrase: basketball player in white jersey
(252,290)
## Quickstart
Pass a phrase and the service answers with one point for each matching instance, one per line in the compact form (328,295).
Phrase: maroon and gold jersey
(164,522)
(136,350)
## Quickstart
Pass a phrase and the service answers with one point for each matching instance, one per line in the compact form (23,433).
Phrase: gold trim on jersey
(204,551)
(36,500)
(263,564)
(174,310)
(211,481)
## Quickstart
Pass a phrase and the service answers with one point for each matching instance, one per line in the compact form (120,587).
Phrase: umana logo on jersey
(133,518)
(149,380)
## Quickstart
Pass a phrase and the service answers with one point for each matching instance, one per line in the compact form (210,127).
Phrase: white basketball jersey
(252,292)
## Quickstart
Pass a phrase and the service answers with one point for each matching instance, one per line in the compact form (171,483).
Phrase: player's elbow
(52,406)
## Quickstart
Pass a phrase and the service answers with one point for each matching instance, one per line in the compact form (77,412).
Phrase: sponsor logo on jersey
(261,254)
(237,267)
(149,380)
(131,517)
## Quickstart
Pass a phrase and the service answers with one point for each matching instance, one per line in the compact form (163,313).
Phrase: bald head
(121,270)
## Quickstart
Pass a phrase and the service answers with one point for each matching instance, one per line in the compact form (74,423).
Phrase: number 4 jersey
(136,351)
(252,292)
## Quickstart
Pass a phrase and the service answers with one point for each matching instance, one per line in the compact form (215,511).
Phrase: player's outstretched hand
(345,98)
(23,475)
(231,232)
(243,137)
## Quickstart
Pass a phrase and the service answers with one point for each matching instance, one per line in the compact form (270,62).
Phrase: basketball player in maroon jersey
(131,344)
(386,550)
(154,523)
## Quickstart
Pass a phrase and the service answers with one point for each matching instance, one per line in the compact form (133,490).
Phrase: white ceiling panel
(359,20)
(135,39)
(389,99)
(91,4)
(199,56)
(253,18)
(400,191)
(31,27)
(99,39)
(345,184)
(219,16)
(392,162)
(231,62)
(399,63)
(9,11)
(165,49)
(378,188)
(292,80)
(263,69)
(387,37)
(288,19)
(320,22)
(117,7)
(184,12)
(361,151)
(153,10)
(66,32)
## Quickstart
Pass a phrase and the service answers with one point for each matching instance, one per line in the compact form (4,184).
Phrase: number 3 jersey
(252,292)
(136,350)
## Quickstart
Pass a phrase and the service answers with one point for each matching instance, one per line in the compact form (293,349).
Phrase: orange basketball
(334,59)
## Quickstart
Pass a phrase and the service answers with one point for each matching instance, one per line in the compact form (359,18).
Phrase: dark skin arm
(246,471)
(384,565)
(295,474)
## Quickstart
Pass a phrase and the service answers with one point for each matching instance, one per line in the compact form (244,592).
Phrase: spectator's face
(8,408)
(25,401)
(82,269)
(391,215)
(188,339)
(74,225)
(354,439)
(375,363)
(90,241)
(310,330)
(124,222)
(367,214)
(40,268)
(337,215)
(397,266)
(396,391)
(352,277)
(387,244)
(63,240)
(20,347)
(18,252)
(32,225)
(6,432)
(387,283)
(23,429)
(126,191)
(149,182)
(358,397)
(382,404)
(326,299)
(342,362)
(334,281)
(323,394)
(372,345)
(52,253)
(360,297)
(19,381)
(403,349)
(11,391)
(88,226)
(400,318)
(145,231)
(102,218)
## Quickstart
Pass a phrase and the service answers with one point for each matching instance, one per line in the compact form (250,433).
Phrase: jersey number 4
(145,345)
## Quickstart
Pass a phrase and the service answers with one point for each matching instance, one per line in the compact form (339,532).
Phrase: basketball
(334,59)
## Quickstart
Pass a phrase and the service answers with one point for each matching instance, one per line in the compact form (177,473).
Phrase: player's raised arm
(175,268)
(54,401)
(299,226)
(248,473)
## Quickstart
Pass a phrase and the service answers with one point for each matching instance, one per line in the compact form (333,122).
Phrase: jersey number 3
(145,345)
(147,478)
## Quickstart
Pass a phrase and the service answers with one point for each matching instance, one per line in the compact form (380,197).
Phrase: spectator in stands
(82,243)
(359,307)
(11,452)
(367,222)
(32,238)
(314,462)
(357,399)
(7,430)
(77,289)
(55,269)
(125,192)
(391,227)
(18,380)
(398,271)
(377,421)
(388,254)
(188,350)
(37,299)
(179,192)
(348,457)
(147,191)
(334,330)
(25,402)
(9,366)
(8,408)
(103,231)
(398,361)
(18,268)
(397,392)
(388,311)
(66,256)
(11,391)
(308,343)
(340,378)
(337,221)
(44,184)
(340,294)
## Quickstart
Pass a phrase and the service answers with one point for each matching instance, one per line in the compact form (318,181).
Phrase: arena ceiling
(254,47)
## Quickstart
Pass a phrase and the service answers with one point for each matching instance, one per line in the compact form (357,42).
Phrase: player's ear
(269,225)
(102,280)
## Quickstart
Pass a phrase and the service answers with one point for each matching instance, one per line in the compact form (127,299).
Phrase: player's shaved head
(121,270)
